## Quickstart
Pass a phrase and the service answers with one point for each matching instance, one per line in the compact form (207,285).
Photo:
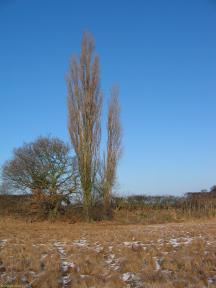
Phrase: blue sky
(161,53)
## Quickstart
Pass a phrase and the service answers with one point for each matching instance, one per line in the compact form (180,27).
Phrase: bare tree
(43,168)
(4,188)
(84,107)
(113,152)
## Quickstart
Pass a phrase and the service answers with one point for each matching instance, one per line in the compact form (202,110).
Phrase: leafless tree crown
(43,167)
(84,107)
(113,153)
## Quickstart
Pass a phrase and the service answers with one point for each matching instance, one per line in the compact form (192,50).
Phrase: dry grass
(106,254)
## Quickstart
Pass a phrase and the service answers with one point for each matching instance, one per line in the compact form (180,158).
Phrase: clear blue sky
(162,54)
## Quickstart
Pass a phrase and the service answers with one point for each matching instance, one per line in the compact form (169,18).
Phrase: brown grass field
(105,254)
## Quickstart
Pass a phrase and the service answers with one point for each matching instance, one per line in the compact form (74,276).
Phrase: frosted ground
(107,255)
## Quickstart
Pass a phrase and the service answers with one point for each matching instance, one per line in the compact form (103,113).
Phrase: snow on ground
(175,242)
(132,279)
(98,247)
(112,262)
(135,245)
(157,263)
(212,280)
(110,259)
(3,242)
(65,266)
(80,243)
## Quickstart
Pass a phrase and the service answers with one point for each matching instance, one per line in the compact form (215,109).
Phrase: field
(105,254)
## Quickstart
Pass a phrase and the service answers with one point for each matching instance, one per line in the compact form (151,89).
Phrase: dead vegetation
(107,254)
(138,209)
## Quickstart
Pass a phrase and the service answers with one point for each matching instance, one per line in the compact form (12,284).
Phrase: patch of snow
(174,242)
(80,243)
(33,273)
(127,243)
(3,242)
(66,280)
(10,279)
(212,280)
(135,244)
(43,256)
(98,248)
(166,271)
(187,240)
(84,276)
(60,248)
(24,280)
(157,263)
(127,276)
(66,265)
(112,262)
(132,279)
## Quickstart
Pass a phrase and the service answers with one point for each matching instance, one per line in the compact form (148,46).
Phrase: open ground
(105,254)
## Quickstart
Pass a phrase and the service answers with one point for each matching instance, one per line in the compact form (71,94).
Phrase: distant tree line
(196,204)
